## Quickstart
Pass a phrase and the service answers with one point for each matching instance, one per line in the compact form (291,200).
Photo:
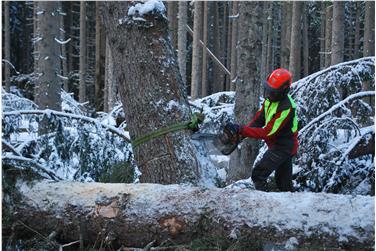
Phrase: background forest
(84,82)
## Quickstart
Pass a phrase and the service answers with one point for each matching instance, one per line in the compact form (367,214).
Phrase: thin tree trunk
(295,54)
(64,56)
(357,31)
(328,35)
(83,60)
(305,40)
(234,40)
(196,51)
(247,92)
(229,33)
(217,74)
(338,32)
(98,59)
(172,10)
(288,33)
(204,84)
(134,215)
(322,35)
(47,61)
(264,49)
(6,46)
(224,47)
(151,100)
(369,29)
(269,55)
(182,39)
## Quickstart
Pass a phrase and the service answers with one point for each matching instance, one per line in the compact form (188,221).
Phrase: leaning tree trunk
(151,89)
(132,215)
(247,92)
(47,55)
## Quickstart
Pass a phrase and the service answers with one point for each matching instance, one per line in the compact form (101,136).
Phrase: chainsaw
(226,141)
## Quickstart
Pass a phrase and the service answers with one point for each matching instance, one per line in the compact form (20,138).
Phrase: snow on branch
(68,115)
(62,42)
(338,106)
(141,9)
(38,166)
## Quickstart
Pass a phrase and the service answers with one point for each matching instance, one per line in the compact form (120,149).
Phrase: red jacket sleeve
(264,132)
(259,118)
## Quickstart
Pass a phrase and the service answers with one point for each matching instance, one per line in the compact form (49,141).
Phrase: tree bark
(286,34)
(357,31)
(270,37)
(83,61)
(264,48)
(134,215)
(196,51)
(369,29)
(182,40)
(110,92)
(328,35)
(47,60)
(99,60)
(228,57)
(151,89)
(295,54)
(234,40)
(6,46)
(305,40)
(217,74)
(172,10)
(204,84)
(247,93)
(338,32)
(322,35)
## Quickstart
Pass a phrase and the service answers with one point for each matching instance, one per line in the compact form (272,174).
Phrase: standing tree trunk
(264,49)
(247,92)
(322,36)
(369,30)
(146,70)
(270,37)
(338,32)
(228,57)
(328,35)
(204,84)
(6,46)
(234,40)
(196,51)
(217,74)
(110,89)
(99,58)
(182,40)
(357,31)
(172,10)
(82,92)
(295,54)
(305,40)
(286,34)
(47,55)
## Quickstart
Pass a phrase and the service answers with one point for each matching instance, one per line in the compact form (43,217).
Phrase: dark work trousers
(274,160)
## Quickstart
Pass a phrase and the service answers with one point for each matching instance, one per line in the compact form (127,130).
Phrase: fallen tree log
(133,215)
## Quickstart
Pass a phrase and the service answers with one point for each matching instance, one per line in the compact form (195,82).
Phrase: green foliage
(122,172)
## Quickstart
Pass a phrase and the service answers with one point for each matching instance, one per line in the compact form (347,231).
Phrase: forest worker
(276,123)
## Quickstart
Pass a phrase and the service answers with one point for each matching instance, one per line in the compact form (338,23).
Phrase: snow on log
(136,214)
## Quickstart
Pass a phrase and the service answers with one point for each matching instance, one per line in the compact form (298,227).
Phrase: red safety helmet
(277,84)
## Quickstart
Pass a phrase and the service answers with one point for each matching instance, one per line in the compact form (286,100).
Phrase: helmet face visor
(273,94)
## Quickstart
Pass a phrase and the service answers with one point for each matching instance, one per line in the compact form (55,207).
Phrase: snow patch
(141,9)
